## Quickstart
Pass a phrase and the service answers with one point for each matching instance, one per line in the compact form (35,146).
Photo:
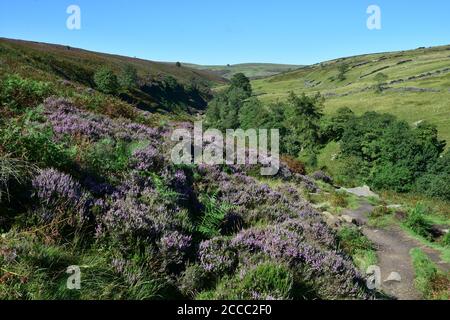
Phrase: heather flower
(130,273)
(147,159)
(174,247)
(217,256)
(127,216)
(55,189)
(67,119)
(288,242)
(322,176)
(53,186)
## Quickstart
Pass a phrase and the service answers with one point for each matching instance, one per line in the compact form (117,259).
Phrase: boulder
(362,192)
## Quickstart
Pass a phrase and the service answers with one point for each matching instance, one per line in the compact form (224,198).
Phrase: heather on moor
(93,205)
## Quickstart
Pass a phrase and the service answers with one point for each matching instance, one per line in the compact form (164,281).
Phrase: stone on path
(362,192)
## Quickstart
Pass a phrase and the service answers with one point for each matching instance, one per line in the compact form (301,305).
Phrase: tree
(380,78)
(303,116)
(106,81)
(240,81)
(342,68)
(129,77)
(253,114)
(337,124)
(223,110)
(178,64)
(394,154)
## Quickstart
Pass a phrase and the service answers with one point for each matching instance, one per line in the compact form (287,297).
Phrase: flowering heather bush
(255,201)
(147,159)
(136,210)
(174,247)
(322,176)
(67,119)
(288,242)
(59,190)
(217,256)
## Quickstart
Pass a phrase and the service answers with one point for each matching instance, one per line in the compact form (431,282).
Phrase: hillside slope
(251,70)
(49,62)
(417,86)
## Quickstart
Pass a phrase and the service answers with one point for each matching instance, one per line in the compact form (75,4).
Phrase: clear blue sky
(231,31)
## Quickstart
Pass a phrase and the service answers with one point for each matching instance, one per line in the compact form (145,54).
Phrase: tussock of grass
(358,246)
(433,284)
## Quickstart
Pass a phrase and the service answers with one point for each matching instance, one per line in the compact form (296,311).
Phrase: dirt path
(393,250)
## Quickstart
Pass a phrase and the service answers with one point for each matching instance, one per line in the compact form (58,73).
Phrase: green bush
(436,181)
(352,240)
(214,215)
(339,199)
(34,143)
(17,93)
(106,81)
(380,211)
(194,280)
(266,281)
(129,77)
(108,157)
(417,222)
(392,154)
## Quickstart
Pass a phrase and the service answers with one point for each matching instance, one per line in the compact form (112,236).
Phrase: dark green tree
(129,77)
(303,115)
(106,81)
(381,79)
(342,69)
(240,81)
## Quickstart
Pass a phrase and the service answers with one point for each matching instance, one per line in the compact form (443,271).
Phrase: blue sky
(230,31)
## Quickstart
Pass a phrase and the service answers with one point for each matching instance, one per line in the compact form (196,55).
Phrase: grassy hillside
(251,70)
(417,87)
(53,63)
(88,186)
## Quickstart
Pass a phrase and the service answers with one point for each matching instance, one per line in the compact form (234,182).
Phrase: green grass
(429,280)
(358,246)
(353,93)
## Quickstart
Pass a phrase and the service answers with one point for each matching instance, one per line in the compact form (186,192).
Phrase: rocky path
(393,249)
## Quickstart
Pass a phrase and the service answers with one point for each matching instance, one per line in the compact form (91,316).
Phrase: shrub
(217,256)
(294,165)
(35,143)
(146,159)
(16,92)
(213,217)
(417,222)
(352,240)
(194,280)
(174,247)
(108,157)
(129,77)
(322,176)
(339,199)
(106,81)
(380,211)
(59,191)
(267,281)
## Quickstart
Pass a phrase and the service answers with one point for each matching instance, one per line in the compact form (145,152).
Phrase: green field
(251,70)
(417,88)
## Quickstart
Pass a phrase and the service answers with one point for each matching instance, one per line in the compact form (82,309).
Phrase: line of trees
(376,148)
